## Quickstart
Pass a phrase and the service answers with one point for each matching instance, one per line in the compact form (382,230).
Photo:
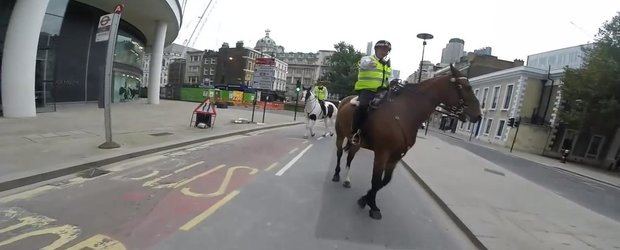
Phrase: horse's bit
(457,110)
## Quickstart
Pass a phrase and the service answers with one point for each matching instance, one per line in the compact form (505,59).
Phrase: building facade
(533,95)
(171,52)
(49,53)
(453,51)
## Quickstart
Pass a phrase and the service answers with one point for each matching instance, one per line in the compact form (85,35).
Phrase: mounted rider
(320,91)
(373,76)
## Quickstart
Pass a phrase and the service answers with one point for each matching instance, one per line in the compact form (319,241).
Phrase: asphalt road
(242,192)
(591,194)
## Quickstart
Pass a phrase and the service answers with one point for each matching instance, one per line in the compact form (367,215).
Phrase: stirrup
(355,138)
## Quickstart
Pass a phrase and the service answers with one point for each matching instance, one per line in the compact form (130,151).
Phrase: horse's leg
(312,122)
(379,165)
(307,128)
(327,130)
(339,141)
(350,156)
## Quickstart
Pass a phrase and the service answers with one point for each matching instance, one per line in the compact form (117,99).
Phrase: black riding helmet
(383,43)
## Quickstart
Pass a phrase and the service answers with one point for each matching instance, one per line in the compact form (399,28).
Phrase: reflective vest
(372,79)
(320,94)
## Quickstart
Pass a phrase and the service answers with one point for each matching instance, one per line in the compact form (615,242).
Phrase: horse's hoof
(346,184)
(312,135)
(362,202)
(375,214)
(331,134)
(336,178)
(305,137)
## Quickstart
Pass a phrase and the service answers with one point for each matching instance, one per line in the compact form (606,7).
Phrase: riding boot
(323,109)
(356,126)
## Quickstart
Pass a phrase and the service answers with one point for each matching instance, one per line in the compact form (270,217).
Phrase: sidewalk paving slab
(65,141)
(504,210)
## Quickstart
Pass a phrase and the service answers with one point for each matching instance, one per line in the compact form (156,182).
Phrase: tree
(342,72)
(592,93)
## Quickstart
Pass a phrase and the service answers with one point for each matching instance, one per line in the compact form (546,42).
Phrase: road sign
(103,28)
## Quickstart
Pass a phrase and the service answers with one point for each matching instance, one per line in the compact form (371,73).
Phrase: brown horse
(390,130)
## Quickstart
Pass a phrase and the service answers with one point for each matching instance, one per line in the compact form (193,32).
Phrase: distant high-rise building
(369,49)
(483,51)
(453,51)
(395,74)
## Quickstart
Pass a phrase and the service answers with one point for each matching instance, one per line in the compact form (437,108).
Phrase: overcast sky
(513,29)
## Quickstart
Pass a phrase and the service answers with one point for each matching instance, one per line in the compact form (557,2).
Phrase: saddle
(383,94)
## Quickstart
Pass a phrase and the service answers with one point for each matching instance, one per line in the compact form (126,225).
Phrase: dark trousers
(322,104)
(359,116)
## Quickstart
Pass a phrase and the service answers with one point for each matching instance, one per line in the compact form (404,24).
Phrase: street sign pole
(296,103)
(114,20)
(516,133)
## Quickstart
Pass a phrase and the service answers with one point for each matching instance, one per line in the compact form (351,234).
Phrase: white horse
(313,112)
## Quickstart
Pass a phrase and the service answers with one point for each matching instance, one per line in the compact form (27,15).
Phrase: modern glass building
(48,51)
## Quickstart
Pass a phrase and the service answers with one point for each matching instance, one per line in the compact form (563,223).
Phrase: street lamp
(424,37)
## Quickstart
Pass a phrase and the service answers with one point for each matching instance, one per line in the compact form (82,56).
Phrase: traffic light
(298,85)
(517,122)
(511,122)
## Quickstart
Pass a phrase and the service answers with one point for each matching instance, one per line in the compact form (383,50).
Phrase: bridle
(461,105)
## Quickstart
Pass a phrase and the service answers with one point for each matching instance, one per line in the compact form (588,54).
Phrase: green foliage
(592,93)
(341,75)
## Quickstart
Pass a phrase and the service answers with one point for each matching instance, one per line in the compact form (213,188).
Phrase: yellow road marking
(188,167)
(99,242)
(204,215)
(229,173)
(293,150)
(34,221)
(153,183)
(64,234)
(273,165)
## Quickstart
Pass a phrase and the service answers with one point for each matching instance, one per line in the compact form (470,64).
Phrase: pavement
(66,141)
(506,210)
(266,190)
(592,172)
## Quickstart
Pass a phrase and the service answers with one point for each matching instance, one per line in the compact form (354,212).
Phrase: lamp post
(424,37)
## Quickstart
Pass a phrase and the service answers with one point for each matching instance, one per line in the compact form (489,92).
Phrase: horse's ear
(453,70)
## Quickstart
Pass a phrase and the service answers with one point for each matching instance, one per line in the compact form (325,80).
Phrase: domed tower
(268,45)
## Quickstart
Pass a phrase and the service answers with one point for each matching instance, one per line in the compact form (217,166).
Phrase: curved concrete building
(48,51)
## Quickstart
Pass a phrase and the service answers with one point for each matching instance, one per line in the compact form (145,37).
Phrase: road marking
(198,176)
(593,185)
(290,163)
(188,167)
(318,139)
(193,222)
(98,242)
(135,163)
(42,189)
(273,165)
(220,191)
(155,172)
(304,142)
(293,150)
(64,234)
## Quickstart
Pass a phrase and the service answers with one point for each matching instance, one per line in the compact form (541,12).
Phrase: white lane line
(293,151)
(295,159)
(318,139)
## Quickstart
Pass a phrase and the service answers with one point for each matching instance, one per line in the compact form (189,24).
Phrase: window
(595,145)
(212,60)
(212,71)
(207,61)
(484,97)
(206,71)
(496,90)
(469,126)
(462,124)
(476,92)
(500,129)
(193,68)
(487,130)
(193,79)
(508,97)
(195,58)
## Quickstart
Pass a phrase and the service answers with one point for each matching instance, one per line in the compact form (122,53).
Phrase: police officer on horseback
(374,72)
(320,91)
